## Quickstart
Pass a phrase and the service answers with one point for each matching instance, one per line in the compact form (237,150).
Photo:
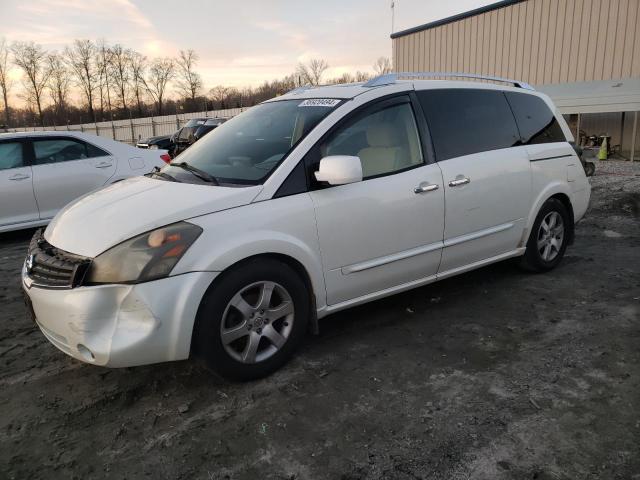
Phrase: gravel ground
(495,374)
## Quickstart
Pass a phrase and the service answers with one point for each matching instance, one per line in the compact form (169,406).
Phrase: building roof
(455,18)
(595,97)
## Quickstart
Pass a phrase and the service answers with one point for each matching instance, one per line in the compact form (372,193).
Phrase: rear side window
(536,122)
(93,151)
(466,121)
(11,155)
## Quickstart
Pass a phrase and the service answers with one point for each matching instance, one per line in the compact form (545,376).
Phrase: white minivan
(309,203)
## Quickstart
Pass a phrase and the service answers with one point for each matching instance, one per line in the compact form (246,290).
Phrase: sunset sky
(241,42)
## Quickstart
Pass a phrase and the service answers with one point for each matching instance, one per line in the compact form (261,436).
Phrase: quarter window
(58,150)
(467,121)
(11,155)
(93,151)
(536,122)
(386,141)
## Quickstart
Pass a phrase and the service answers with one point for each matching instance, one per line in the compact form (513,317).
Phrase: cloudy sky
(240,42)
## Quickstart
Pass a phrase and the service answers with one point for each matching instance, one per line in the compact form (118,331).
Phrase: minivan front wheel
(548,239)
(252,319)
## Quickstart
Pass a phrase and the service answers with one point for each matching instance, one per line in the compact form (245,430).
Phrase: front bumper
(121,325)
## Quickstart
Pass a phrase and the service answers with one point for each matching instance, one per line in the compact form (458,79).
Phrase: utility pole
(393,14)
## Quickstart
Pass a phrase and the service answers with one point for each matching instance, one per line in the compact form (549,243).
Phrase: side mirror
(339,170)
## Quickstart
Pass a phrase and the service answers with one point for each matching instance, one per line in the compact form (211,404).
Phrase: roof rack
(391,78)
(299,89)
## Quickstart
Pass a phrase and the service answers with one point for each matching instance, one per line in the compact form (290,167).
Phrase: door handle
(19,176)
(459,181)
(103,165)
(424,187)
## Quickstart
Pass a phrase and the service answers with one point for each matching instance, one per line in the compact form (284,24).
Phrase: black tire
(589,169)
(533,258)
(208,341)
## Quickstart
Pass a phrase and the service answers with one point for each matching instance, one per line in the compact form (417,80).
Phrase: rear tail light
(165,157)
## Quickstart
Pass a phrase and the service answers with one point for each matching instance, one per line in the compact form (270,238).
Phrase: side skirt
(323,312)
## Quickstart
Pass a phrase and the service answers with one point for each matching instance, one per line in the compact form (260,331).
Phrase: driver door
(65,168)
(385,231)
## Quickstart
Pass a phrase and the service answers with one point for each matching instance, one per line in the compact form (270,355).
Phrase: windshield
(247,148)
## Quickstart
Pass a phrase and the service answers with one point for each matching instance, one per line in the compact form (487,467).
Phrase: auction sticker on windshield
(320,102)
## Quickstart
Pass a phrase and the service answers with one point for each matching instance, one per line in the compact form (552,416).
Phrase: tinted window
(536,122)
(11,155)
(93,151)
(386,140)
(58,150)
(466,121)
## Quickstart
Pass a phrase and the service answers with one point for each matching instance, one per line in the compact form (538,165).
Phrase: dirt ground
(495,374)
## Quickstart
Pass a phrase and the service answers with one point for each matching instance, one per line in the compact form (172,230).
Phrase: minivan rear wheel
(548,238)
(252,319)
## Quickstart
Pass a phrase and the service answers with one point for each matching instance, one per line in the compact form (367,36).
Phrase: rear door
(486,173)
(65,168)
(17,202)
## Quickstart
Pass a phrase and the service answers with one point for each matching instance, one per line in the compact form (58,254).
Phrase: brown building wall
(537,41)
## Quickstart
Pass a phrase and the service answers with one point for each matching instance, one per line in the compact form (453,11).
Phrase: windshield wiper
(201,174)
(156,171)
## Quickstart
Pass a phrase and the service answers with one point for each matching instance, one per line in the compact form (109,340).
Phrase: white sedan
(40,172)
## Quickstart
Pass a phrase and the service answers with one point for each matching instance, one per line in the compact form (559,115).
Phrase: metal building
(585,54)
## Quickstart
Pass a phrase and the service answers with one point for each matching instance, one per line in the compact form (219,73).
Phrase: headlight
(153,147)
(149,256)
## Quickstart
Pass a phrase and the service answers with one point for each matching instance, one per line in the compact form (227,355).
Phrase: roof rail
(299,89)
(391,78)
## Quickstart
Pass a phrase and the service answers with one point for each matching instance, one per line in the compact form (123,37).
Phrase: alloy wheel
(550,236)
(257,322)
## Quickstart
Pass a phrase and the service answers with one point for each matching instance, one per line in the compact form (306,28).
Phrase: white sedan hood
(96,222)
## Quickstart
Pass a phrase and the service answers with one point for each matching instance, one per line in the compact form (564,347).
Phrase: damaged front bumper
(120,325)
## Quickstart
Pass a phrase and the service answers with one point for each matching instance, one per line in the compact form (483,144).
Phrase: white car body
(356,242)
(32,193)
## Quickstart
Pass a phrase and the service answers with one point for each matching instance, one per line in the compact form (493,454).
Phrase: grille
(48,266)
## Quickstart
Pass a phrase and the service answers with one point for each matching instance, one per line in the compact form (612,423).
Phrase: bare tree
(138,68)
(382,66)
(104,88)
(58,83)
(32,60)
(120,72)
(160,73)
(5,81)
(189,81)
(219,94)
(312,72)
(81,59)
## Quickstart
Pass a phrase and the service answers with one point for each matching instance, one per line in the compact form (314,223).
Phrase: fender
(553,188)
(271,227)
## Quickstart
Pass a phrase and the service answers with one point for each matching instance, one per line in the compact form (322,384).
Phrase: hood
(101,219)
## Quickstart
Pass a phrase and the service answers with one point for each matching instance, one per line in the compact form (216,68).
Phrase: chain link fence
(131,131)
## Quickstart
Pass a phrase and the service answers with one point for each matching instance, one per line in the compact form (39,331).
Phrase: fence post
(153,127)
(177,122)
(113,130)
(97,131)
(133,135)
(82,127)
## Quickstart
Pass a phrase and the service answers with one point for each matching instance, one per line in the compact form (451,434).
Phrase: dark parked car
(162,142)
(194,130)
